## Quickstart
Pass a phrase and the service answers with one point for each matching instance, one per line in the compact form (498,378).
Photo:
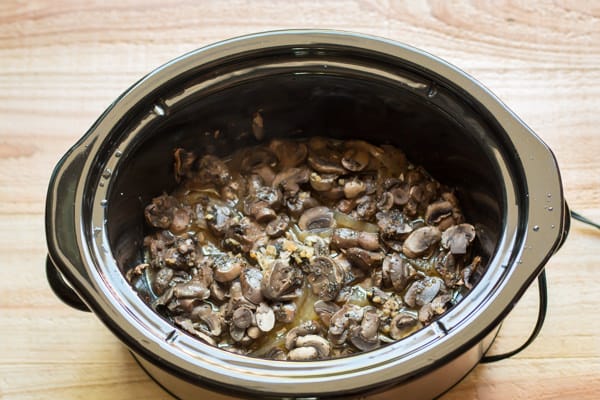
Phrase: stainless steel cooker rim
(87,264)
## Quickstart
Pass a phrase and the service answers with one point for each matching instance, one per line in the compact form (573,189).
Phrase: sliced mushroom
(265,317)
(438,211)
(191,290)
(159,213)
(317,218)
(251,279)
(355,159)
(321,344)
(290,180)
(303,354)
(420,241)
(183,161)
(161,280)
(276,353)
(281,280)
(305,328)
(187,325)
(366,208)
(322,183)
(290,153)
(217,292)
(237,333)
(363,259)
(343,238)
(218,218)
(397,272)
(393,224)
(212,170)
(212,320)
(243,317)
(245,234)
(402,325)
(325,277)
(354,188)
(257,157)
(423,291)
(469,270)
(437,307)
(365,337)
(278,226)
(227,267)
(346,317)
(457,238)
(237,298)
(325,309)
(284,312)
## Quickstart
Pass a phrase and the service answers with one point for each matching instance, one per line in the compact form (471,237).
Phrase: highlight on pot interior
(305,214)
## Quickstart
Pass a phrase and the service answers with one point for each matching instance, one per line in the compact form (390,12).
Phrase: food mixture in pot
(304,249)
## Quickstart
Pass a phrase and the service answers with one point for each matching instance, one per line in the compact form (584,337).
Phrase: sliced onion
(346,221)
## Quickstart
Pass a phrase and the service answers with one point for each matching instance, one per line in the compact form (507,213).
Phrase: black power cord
(543,294)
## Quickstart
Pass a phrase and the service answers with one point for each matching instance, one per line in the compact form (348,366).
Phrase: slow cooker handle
(61,288)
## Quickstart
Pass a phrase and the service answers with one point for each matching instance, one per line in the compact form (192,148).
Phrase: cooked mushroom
(161,280)
(385,201)
(276,353)
(365,336)
(393,224)
(212,320)
(322,182)
(317,218)
(305,328)
(469,270)
(366,207)
(257,157)
(355,159)
(212,170)
(423,291)
(183,161)
(280,281)
(343,238)
(278,226)
(227,267)
(251,279)
(300,202)
(237,298)
(242,317)
(397,272)
(159,213)
(290,180)
(457,238)
(265,317)
(218,218)
(303,354)
(321,344)
(402,325)
(187,325)
(246,234)
(437,307)
(324,156)
(438,211)
(420,241)
(346,317)
(325,277)
(258,126)
(354,188)
(363,259)
(190,290)
(284,312)
(290,153)
(325,309)
(217,292)
(237,333)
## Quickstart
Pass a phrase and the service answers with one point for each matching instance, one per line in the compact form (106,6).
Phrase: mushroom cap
(320,217)
(303,353)
(265,317)
(325,277)
(227,267)
(423,291)
(320,343)
(420,241)
(280,280)
(322,182)
(250,280)
(325,309)
(402,325)
(355,159)
(437,211)
(354,188)
(305,328)
(290,179)
(242,317)
(458,237)
(398,271)
(363,259)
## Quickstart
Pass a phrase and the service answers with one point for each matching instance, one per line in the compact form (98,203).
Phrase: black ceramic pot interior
(455,147)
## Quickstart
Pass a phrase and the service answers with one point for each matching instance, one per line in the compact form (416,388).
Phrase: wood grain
(63,62)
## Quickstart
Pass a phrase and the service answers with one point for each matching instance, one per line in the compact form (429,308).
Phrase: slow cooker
(304,83)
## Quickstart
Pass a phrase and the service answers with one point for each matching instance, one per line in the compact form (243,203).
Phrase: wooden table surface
(63,62)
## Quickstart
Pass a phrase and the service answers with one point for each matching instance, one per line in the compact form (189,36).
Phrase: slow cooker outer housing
(306,83)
